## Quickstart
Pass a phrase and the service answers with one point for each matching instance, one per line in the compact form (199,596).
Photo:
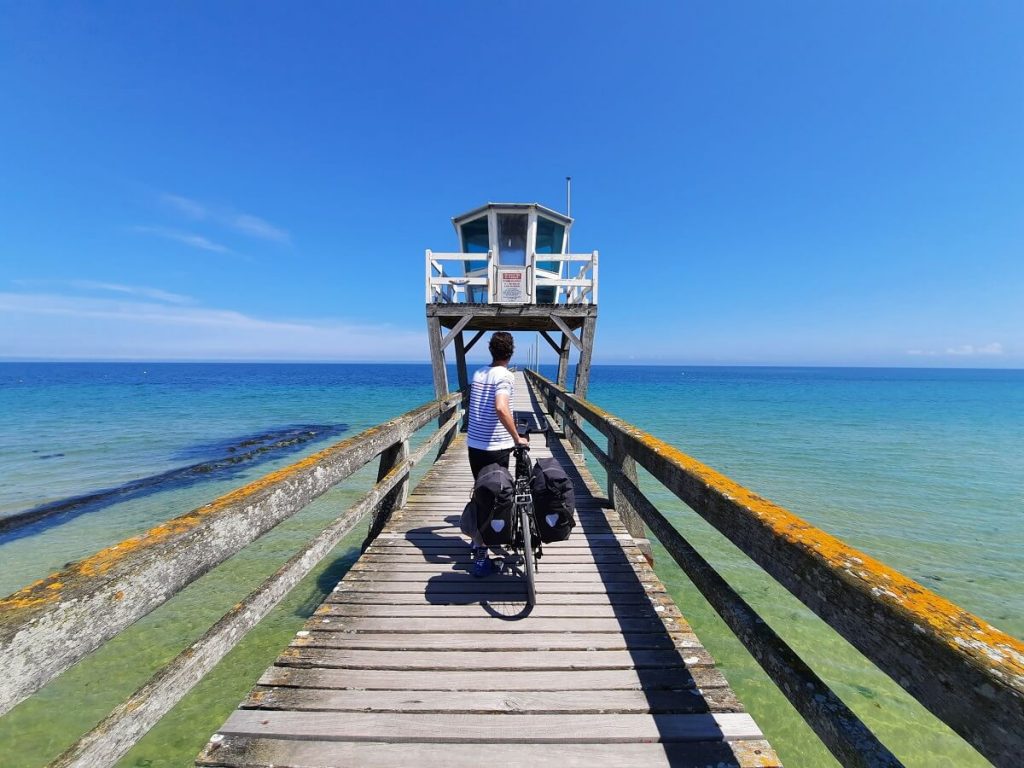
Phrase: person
(492,430)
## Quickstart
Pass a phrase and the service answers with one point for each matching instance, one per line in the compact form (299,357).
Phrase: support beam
(583,369)
(550,341)
(563,362)
(455,331)
(395,456)
(564,328)
(460,366)
(474,340)
(437,357)
(620,458)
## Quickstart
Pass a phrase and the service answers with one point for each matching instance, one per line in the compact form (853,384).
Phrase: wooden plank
(493,611)
(457,583)
(491,729)
(689,701)
(528,641)
(484,597)
(482,624)
(231,751)
(512,661)
(671,678)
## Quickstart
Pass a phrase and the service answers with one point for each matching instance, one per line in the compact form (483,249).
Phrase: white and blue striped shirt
(485,431)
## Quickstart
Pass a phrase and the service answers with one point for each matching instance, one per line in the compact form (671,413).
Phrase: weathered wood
(670,678)
(514,615)
(535,641)
(537,702)
(621,459)
(51,624)
(437,357)
(967,672)
(491,729)
(114,736)
(408,644)
(550,341)
(510,317)
(234,751)
(471,625)
(455,331)
(496,661)
(838,727)
(395,499)
(463,374)
(474,340)
(563,361)
(567,331)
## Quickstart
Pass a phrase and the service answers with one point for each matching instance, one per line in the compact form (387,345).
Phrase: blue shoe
(482,564)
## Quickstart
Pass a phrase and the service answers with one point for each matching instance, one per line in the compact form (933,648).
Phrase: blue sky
(768,183)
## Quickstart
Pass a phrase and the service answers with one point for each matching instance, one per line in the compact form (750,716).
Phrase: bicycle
(525,548)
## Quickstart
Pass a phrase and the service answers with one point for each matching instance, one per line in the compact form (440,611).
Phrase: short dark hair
(501,345)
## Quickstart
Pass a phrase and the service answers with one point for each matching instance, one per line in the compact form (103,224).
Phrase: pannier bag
(554,501)
(493,495)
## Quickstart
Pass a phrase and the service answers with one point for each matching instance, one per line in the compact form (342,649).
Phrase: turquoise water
(921,469)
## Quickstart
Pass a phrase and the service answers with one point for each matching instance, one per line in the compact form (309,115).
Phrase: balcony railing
(521,283)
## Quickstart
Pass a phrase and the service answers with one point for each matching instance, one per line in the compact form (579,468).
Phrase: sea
(921,468)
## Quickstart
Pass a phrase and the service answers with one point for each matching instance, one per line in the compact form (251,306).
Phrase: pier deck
(412,661)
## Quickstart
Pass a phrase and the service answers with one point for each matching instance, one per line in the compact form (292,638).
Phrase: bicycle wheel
(531,566)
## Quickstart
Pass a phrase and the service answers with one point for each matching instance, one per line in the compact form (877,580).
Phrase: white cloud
(256,227)
(244,223)
(994,348)
(49,325)
(186,206)
(132,290)
(188,238)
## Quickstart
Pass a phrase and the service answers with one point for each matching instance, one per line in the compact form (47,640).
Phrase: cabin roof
(548,212)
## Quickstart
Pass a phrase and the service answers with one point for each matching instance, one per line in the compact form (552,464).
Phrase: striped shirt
(486,433)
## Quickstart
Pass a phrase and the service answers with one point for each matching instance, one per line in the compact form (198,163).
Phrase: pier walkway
(412,661)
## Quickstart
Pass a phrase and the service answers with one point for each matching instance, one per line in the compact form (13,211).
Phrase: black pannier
(490,510)
(554,501)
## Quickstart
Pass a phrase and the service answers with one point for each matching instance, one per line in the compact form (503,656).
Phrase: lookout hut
(513,272)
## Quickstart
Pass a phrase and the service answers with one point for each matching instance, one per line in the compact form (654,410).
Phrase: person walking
(492,430)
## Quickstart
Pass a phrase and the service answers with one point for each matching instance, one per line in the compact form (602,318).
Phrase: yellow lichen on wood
(957,628)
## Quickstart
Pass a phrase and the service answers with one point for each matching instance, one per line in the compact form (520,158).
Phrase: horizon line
(207,361)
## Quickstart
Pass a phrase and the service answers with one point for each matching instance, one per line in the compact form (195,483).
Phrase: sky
(786,183)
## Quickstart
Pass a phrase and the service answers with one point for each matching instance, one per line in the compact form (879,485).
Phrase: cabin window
(512,239)
(550,237)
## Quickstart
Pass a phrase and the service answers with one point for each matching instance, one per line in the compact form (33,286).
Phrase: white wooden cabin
(519,255)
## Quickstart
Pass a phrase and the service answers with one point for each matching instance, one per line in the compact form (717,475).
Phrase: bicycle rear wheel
(530,569)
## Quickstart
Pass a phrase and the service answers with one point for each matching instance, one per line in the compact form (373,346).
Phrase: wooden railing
(578,286)
(967,672)
(50,625)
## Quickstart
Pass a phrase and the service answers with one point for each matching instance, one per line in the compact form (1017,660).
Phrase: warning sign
(512,285)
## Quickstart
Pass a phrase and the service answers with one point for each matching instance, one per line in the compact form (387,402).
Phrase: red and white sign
(512,285)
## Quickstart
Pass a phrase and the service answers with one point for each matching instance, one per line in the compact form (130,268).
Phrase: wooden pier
(412,660)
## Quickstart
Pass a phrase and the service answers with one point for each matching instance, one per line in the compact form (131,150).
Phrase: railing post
(630,517)
(389,459)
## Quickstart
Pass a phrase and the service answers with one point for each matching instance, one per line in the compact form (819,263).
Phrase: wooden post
(583,370)
(396,497)
(563,362)
(440,375)
(460,364)
(618,456)
(437,357)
